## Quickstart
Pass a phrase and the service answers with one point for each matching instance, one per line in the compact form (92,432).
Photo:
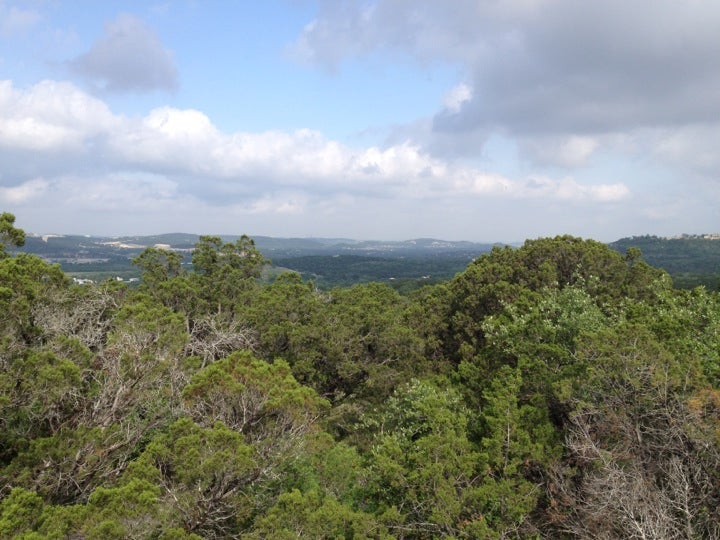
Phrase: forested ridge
(691,260)
(556,390)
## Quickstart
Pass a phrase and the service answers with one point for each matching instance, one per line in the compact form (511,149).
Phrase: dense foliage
(556,390)
(401,273)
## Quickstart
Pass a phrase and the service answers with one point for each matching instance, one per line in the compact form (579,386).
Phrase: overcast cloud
(560,76)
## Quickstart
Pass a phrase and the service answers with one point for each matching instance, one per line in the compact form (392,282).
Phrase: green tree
(158,266)
(206,477)
(640,462)
(9,234)
(518,442)
(25,281)
(312,515)
(291,320)
(20,513)
(39,394)
(422,469)
(500,277)
(77,421)
(142,367)
(686,322)
(263,401)
(226,271)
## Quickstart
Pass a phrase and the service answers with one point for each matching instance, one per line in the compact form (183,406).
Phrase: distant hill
(327,261)
(69,246)
(691,260)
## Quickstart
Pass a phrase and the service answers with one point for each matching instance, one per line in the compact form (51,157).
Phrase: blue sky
(486,120)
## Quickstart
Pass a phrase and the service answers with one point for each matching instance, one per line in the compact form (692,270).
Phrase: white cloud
(116,191)
(184,147)
(570,190)
(14,21)
(538,187)
(51,116)
(693,148)
(174,166)
(167,138)
(458,95)
(24,192)
(128,58)
(569,151)
(289,204)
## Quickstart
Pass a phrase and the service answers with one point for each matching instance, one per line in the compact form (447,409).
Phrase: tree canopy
(555,390)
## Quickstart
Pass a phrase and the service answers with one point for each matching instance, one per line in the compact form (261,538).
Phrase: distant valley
(690,259)
(327,261)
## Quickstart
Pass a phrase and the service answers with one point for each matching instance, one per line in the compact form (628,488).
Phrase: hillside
(327,261)
(691,260)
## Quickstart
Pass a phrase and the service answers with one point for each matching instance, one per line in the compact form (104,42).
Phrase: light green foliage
(518,383)
(518,440)
(39,394)
(312,516)
(206,477)
(20,512)
(148,330)
(499,278)
(688,322)
(25,280)
(537,331)
(549,317)
(557,390)
(226,272)
(127,511)
(538,334)
(515,434)
(328,466)
(24,515)
(422,469)
(316,493)
(158,266)
(263,401)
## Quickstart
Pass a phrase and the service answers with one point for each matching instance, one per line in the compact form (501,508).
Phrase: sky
(481,120)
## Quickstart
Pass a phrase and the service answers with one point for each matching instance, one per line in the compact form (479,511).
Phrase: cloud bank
(75,135)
